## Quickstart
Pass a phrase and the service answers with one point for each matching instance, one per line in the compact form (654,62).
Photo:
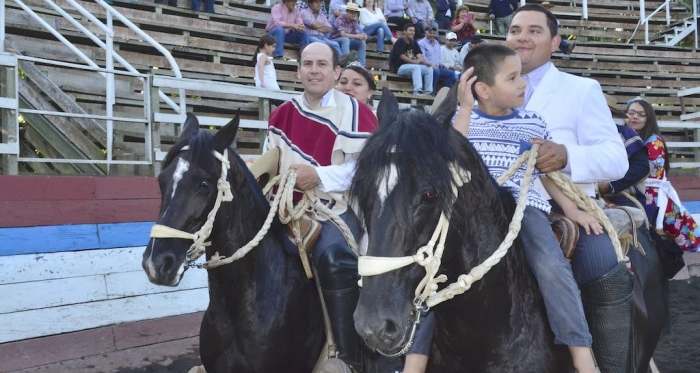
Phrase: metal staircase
(680,32)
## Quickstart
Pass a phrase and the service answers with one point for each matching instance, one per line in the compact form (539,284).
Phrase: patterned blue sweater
(501,140)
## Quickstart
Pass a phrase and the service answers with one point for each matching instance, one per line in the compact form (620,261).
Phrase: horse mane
(416,144)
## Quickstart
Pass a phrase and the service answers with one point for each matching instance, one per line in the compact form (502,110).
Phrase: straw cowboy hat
(352,6)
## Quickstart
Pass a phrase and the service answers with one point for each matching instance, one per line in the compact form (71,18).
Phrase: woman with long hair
(357,82)
(666,210)
(373,23)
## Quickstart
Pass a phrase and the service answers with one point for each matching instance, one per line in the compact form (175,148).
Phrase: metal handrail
(108,72)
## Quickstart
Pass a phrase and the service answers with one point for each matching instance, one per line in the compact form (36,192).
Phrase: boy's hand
(466,98)
(588,222)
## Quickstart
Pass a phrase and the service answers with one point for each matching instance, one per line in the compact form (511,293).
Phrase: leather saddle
(566,233)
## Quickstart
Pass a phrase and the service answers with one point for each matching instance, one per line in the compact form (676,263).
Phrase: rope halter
(428,256)
(199,245)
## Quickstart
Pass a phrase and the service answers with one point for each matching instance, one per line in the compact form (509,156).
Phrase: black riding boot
(607,303)
(337,272)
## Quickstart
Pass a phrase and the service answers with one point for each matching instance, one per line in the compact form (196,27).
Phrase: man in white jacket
(587,149)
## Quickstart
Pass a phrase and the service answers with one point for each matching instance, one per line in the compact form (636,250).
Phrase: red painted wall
(27,201)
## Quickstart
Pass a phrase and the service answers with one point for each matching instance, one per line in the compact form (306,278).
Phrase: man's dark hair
(552,23)
(335,58)
(407,25)
(486,61)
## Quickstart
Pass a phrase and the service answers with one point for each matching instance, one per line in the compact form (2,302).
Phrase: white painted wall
(45,294)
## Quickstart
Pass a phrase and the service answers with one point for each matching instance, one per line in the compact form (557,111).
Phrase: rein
(429,256)
(282,202)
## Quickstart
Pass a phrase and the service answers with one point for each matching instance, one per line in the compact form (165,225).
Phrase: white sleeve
(599,154)
(336,178)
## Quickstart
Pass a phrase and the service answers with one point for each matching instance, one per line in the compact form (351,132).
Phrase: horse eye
(429,196)
(205,184)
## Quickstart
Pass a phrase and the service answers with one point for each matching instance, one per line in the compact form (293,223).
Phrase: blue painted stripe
(693,206)
(59,238)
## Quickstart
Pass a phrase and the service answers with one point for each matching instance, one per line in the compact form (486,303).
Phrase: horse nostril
(389,332)
(166,264)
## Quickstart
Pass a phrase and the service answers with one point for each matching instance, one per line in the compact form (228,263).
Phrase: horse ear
(388,107)
(227,134)
(447,108)
(190,127)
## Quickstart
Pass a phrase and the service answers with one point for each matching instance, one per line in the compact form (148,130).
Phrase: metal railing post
(110,91)
(2,26)
(642,19)
(9,123)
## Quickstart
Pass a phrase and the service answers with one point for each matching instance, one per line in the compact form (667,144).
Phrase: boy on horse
(500,133)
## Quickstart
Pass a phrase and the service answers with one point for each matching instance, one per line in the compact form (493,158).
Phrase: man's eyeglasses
(631,113)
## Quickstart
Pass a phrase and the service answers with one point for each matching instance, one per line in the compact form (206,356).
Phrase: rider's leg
(606,291)
(555,279)
(336,265)
(583,359)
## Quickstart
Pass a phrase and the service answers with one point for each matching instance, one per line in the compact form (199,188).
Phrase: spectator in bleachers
(473,42)
(285,25)
(395,12)
(303,4)
(421,13)
(348,33)
(265,74)
(502,12)
(407,59)
(357,82)
(374,24)
(430,47)
(337,8)
(445,13)
(317,25)
(196,5)
(462,25)
(449,55)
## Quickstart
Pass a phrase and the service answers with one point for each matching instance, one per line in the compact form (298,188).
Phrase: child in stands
(500,133)
(265,74)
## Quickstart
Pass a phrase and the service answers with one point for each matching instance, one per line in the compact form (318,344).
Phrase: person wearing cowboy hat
(319,28)
(348,33)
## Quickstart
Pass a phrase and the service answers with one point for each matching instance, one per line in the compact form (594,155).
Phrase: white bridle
(223,195)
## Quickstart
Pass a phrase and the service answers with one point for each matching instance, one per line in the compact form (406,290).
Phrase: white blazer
(578,117)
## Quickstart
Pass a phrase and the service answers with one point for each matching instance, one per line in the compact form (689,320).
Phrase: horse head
(407,179)
(190,184)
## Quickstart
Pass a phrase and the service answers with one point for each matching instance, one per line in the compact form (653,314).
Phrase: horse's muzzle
(163,268)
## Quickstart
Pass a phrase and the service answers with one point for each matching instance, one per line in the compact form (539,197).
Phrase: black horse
(402,186)
(263,314)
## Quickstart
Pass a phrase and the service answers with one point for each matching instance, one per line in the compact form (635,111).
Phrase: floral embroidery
(677,221)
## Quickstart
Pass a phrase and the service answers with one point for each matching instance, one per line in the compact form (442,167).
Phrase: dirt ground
(675,353)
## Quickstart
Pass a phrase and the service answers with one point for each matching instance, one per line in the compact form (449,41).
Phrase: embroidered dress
(672,218)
